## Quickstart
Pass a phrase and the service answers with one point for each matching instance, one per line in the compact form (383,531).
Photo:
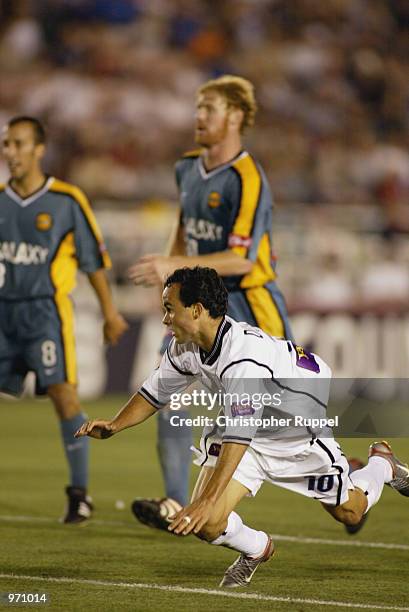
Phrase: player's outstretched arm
(135,411)
(153,269)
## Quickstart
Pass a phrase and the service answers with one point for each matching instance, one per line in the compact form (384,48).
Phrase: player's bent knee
(345,514)
(351,511)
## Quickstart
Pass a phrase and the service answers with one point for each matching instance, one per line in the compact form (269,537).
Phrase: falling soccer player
(238,455)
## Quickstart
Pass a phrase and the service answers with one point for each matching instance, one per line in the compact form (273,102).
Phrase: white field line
(216,592)
(275,536)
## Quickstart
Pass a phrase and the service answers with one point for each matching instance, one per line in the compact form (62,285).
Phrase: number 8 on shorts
(49,353)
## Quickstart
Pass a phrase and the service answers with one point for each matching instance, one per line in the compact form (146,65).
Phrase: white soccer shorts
(316,469)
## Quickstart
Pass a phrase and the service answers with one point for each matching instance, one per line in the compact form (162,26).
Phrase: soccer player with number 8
(47,231)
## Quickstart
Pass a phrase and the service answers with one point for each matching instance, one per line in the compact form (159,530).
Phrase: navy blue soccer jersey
(44,239)
(229,207)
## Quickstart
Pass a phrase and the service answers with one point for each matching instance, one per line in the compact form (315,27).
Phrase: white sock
(371,478)
(242,538)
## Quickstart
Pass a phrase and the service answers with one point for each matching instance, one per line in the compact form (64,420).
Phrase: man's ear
(236,117)
(40,150)
(197,310)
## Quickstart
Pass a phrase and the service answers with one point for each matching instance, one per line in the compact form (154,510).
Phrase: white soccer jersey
(265,385)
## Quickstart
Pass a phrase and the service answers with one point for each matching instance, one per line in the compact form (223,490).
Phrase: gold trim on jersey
(76,193)
(262,271)
(193,153)
(63,268)
(250,194)
(66,314)
(63,271)
(265,311)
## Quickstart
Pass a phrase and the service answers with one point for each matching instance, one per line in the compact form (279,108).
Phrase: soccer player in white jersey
(237,459)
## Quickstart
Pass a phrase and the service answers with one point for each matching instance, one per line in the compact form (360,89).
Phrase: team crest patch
(44,222)
(306,360)
(214,200)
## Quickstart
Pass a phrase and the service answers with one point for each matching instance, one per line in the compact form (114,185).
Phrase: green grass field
(114,563)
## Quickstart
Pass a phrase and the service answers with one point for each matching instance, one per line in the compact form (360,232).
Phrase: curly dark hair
(201,285)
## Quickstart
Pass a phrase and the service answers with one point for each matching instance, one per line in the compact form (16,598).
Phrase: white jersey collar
(23,202)
(206,175)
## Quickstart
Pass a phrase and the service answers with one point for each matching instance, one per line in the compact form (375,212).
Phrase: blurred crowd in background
(114,81)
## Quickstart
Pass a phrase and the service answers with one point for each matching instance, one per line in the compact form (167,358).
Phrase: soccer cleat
(241,571)
(156,512)
(79,508)
(356,464)
(400,471)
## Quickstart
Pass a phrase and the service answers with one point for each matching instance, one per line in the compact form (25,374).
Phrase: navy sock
(175,456)
(76,450)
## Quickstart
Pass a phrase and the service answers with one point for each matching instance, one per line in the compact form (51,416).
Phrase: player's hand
(151,270)
(99,429)
(198,513)
(114,327)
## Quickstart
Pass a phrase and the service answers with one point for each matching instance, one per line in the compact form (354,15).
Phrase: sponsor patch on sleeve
(239,410)
(235,240)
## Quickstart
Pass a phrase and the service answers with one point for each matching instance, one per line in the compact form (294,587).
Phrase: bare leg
(233,493)
(65,399)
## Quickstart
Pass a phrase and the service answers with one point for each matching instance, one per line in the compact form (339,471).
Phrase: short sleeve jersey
(229,207)
(45,238)
(245,361)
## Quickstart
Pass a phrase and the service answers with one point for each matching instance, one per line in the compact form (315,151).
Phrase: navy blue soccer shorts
(37,335)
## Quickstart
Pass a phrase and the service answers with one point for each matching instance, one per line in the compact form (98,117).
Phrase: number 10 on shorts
(323,484)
